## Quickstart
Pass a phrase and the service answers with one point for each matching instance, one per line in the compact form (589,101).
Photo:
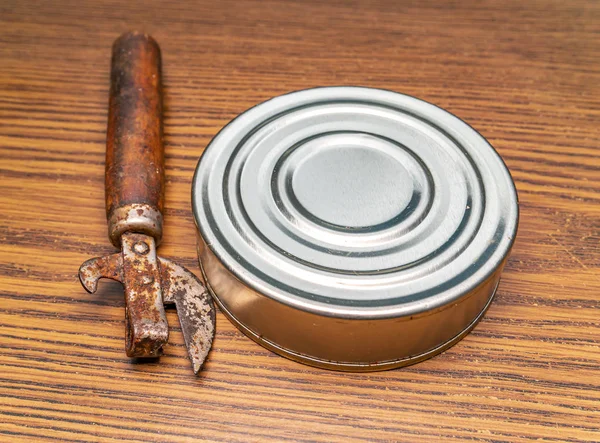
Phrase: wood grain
(524,73)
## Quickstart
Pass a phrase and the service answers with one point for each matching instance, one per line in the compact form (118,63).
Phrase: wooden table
(525,74)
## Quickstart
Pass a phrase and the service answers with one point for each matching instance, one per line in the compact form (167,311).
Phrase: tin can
(353,228)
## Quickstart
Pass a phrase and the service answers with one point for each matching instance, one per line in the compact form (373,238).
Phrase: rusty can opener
(134,207)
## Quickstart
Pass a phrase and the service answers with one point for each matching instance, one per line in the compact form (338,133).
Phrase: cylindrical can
(353,228)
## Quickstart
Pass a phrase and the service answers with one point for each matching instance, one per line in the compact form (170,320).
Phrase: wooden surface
(525,74)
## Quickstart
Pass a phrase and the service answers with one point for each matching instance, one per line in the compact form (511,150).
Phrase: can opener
(134,207)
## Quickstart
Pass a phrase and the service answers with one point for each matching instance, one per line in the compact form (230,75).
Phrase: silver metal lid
(353,228)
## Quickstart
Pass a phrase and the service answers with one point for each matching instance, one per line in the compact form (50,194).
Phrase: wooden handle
(134,146)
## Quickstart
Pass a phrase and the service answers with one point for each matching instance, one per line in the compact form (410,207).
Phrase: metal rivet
(141,248)
(147,279)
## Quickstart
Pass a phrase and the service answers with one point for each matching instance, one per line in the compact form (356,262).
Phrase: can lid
(355,203)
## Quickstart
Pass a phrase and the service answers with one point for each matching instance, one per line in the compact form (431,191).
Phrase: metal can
(353,228)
